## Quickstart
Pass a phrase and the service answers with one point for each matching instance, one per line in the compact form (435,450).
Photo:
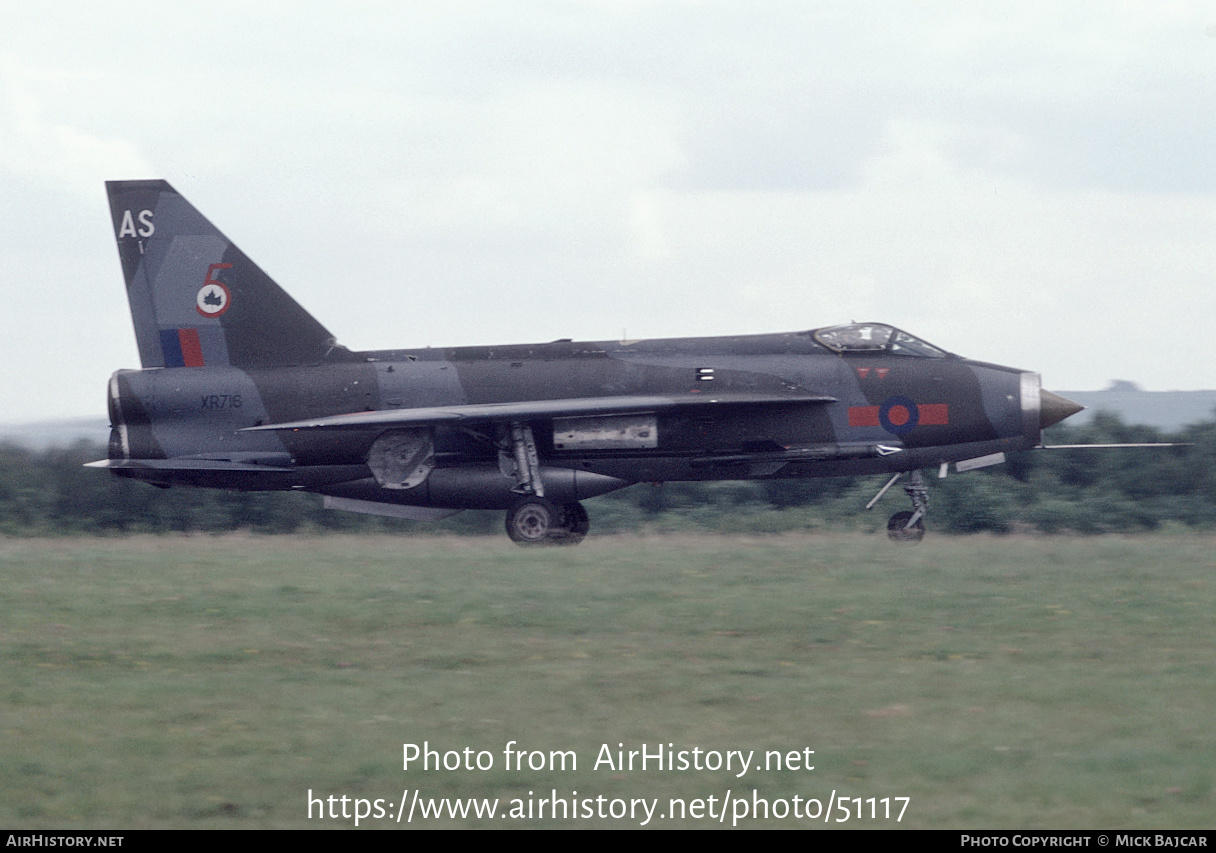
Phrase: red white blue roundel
(213,299)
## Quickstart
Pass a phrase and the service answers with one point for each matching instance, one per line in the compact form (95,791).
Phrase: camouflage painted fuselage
(243,389)
(889,413)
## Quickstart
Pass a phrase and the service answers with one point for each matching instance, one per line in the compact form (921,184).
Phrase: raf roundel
(213,299)
(898,415)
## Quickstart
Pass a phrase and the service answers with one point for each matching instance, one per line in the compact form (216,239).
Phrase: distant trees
(1084,491)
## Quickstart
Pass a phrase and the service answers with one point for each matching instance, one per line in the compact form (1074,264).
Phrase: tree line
(49,492)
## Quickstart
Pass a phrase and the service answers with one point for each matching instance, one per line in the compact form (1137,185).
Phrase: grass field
(1011,682)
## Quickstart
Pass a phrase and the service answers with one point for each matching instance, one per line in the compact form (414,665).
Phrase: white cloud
(35,145)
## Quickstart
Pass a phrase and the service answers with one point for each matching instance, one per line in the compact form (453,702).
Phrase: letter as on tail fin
(196,299)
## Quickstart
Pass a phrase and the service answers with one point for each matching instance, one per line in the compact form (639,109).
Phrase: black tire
(898,530)
(532,521)
(574,525)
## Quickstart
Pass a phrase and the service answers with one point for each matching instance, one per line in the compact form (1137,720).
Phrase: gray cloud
(1027,182)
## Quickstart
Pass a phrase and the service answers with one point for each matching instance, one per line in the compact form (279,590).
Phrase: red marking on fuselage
(899,415)
(192,348)
(863,416)
(863,371)
(934,414)
(882,372)
(927,414)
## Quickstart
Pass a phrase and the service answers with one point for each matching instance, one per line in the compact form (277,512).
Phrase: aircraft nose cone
(1053,408)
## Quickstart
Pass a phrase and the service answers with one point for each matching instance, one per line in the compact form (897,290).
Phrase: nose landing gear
(902,528)
(907,526)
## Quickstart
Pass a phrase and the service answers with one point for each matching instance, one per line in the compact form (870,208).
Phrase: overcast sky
(1030,183)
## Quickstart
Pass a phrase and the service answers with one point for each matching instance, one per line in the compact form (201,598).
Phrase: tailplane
(196,299)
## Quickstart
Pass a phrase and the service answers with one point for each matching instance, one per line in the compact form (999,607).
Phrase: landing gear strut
(536,521)
(907,526)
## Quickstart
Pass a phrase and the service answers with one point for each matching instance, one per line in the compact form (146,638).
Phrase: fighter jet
(241,388)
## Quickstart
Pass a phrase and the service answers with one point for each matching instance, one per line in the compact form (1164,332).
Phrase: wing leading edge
(531,409)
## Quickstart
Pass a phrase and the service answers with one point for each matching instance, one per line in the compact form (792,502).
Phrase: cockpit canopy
(874,338)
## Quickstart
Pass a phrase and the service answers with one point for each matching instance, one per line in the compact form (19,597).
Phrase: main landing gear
(533,519)
(907,526)
(536,521)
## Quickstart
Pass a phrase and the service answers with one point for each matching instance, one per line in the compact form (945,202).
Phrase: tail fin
(196,299)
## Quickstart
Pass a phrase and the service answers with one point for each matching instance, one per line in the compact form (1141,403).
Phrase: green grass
(998,682)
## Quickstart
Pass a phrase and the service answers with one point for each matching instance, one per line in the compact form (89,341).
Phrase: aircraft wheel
(532,521)
(898,530)
(574,526)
